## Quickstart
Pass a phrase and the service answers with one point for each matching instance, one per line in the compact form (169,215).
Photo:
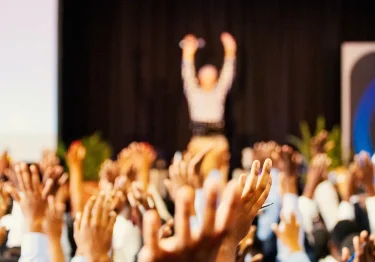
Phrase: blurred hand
(186,172)
(33,199)
(4,162)
(4,205)
(108,173)
(54,219)
(319,144)
(255,190)
(190,45)
(75,155)
(140,202)
(288,160)
(364,171)
(364,249)
(247,241)
(49,159)
(289,234)
(264,150)
(142,154)
(166,230)
(318,170)
(93,229)
(186,245)
(55,174)
(229,42)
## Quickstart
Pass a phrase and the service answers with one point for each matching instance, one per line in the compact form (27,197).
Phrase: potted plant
(321,141)
(97,151)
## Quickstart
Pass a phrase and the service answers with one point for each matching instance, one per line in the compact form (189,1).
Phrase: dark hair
(343,233)
(320,246)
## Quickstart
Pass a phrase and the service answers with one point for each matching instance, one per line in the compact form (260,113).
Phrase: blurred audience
(269,211)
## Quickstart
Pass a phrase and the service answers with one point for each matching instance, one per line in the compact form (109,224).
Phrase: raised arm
(228,69)
(189,48)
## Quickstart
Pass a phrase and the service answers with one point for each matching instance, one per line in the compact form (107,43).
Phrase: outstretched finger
(251,180)
(35,179)
(211,190)
(184,201)
(86,216)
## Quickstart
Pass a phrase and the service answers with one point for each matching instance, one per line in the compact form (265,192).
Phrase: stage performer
(206,100)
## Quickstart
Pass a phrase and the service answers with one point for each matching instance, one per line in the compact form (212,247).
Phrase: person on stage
(206,96)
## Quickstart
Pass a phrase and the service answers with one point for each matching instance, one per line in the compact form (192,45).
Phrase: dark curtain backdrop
(120,66)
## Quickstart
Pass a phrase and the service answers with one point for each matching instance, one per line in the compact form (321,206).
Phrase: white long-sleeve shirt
(332,211)
(207,106)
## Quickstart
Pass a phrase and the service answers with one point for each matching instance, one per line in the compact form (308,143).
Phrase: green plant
(303,144)
(97,150)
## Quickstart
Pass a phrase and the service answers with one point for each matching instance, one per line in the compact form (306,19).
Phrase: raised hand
(318,170)
(4,162)
(364,172)
(4,205)
(288,161)
(190,46)
(33,198)
(54,218)
(229,43)
(364,249)
(108,173)
(255,189)
(93,229)
(49,159)
(247,241)
(143,155)
(186,245)
(289,234)
(75,155)
(186,172)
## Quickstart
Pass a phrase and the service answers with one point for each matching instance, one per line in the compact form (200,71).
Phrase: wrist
(34,225)
(295,247)
(102,258)
(230,54)
(188,57)
(54,237)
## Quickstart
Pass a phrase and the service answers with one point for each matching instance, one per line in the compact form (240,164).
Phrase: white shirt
(15,223)
(126,240)
(34,248)
(207,106)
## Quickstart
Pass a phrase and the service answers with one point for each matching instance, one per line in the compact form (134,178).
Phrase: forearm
(76,189)
(230,54)
(55,249)
(187,56)
(144,175)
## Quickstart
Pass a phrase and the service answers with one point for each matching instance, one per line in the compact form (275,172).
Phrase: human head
(207,77)
(342,236)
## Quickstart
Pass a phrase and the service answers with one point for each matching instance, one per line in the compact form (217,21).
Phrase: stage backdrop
(121,66)
(358,97)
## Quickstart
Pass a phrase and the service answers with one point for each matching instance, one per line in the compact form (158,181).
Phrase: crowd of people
(280,208)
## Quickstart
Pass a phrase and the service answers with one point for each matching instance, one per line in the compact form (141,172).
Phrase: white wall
(28,77)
